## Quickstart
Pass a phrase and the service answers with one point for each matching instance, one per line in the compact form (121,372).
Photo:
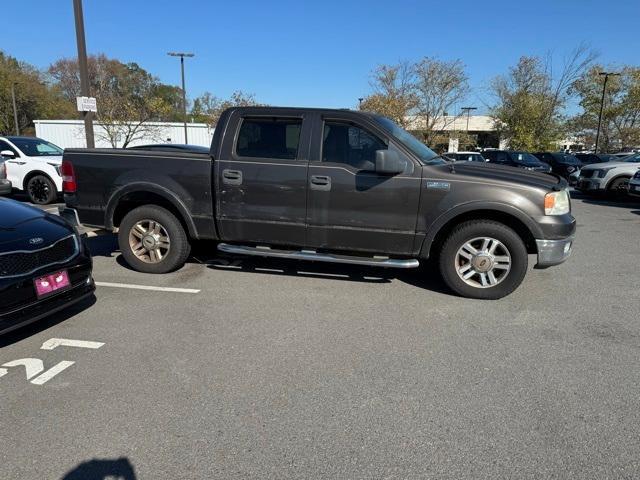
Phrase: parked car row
(611,177)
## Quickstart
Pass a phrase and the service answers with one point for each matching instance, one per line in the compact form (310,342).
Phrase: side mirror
(7,154)
(388,162)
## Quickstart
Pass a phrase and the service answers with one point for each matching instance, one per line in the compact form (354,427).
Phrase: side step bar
(318,257)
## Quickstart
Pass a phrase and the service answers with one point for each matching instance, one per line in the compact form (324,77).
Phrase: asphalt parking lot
(271,369)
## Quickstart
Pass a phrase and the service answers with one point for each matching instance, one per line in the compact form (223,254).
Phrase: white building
(483,127)
(70,133)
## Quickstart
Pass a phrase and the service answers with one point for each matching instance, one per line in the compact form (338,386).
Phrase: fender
(622,175)
(142,187)
(449,215)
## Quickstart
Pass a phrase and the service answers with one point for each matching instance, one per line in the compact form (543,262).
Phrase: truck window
(269,138)
(349,144)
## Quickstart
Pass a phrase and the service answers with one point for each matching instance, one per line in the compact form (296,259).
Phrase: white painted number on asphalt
(34,367)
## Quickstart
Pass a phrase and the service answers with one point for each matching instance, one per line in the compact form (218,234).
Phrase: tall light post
(360,103)
(84,71)
(606,76)
(468,110)
(184,92)
(15,108)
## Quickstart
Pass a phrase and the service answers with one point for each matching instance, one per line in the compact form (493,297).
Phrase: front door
(350,206)
(262,180)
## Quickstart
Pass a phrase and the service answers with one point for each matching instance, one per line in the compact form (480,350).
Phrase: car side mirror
(388,162)
(7,154)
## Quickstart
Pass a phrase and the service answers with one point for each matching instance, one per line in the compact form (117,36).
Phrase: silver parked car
(610,177)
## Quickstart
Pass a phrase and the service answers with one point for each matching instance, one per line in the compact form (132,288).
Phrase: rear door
(261,178)
(350,206)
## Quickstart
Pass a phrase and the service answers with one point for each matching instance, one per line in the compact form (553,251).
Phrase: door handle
(320,182)
(232,177)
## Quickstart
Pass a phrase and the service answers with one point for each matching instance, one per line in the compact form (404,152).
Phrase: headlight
(600,172)
(557,203)
(57,167)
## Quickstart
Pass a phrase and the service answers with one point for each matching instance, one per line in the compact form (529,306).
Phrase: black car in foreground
(44,265)
(516,159)
(564,164)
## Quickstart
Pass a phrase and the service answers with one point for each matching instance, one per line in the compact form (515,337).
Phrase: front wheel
(152,240)
(41,190)
(619,188)
(483,259)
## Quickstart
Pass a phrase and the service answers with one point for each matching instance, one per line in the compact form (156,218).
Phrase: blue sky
(319,53)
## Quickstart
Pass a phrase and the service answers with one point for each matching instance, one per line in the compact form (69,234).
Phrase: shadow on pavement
(47,322)
(118,469)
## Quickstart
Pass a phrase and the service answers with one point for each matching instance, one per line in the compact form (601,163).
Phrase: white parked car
(609,177)
(33,166)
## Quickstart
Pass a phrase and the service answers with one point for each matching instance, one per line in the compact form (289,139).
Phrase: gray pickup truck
(324,185)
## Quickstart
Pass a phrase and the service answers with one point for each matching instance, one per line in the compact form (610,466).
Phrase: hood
(502,173)
(607,165)
(19,223)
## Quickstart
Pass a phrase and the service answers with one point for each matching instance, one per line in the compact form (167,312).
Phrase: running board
(318,257)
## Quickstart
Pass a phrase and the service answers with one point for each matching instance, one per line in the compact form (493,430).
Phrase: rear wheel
(483,259)
(41,190)
(152,240)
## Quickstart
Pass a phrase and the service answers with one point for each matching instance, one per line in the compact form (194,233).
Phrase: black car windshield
(35,147)
(566,159)
(524,158)
(635,158)
(424,153)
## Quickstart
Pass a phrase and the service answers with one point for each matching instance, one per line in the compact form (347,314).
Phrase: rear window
(269,138)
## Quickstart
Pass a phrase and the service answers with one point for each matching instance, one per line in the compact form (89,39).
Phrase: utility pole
(360,103)
(604,89)
(468,110)
(184,91)
(84,71)
(15,108)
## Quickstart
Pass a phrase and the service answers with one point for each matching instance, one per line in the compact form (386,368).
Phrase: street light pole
(468,110)
(184,91)
(84,71)
(604,89)
(360,103)
(15,108)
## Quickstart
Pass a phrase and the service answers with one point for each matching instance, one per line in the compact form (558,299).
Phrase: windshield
(566,159)
(424,153)
(524,158)
(35,147)
(635,158)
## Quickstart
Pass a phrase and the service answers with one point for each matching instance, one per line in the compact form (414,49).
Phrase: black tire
(467,231)
(177,253)
(618,189)
(41,190)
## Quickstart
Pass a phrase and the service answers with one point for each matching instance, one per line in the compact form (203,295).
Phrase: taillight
(69,184)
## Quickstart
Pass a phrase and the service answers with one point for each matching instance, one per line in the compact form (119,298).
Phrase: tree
(439,86)
(128,97)
(530,100)
(207,107)
(621,111)
(393,94)
(34,98)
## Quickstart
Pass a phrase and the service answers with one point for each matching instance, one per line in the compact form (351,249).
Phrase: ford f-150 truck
(324,185)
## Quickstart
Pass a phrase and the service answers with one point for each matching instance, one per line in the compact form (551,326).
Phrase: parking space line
(147,287)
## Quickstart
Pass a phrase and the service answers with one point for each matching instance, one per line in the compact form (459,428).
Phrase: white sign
(86,104)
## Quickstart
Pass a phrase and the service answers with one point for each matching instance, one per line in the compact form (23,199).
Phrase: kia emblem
(36,240)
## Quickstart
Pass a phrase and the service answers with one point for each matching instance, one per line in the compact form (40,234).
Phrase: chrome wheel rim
(149,241)
(483,262)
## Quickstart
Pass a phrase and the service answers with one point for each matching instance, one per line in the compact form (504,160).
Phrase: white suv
(609,177)
(33,166)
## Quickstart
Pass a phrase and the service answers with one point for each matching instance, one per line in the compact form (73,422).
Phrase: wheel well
(32,174)
(133,200)
(509,220)
(617,178)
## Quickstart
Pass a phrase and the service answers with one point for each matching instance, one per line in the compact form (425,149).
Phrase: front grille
(14,264)
(587,173)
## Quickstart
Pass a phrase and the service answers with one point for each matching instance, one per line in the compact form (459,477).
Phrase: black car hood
(23,227)
(504,173)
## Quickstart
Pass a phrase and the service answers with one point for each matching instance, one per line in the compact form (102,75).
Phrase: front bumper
(590,184)
(5,187)
(553,252)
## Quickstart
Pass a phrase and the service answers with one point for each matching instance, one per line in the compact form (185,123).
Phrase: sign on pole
(86,104)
